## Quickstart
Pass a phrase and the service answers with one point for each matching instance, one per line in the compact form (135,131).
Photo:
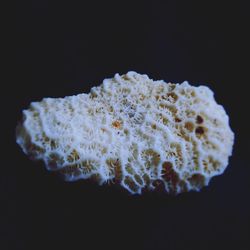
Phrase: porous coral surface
(131,131)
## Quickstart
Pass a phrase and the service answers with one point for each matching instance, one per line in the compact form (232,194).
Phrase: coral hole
(171,97)
(169,174)
(199,119)
(200,131)
(189,126)
(197,180)
(159,186)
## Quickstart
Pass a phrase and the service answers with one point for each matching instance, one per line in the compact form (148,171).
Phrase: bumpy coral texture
(132,131)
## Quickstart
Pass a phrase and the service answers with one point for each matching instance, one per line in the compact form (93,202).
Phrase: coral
(132,131)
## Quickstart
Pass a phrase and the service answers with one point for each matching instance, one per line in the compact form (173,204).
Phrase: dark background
(65,48)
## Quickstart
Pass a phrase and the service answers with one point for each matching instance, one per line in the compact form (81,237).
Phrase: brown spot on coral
(74,156)
(87,166)
(197,180)
(200,131)
(118,173)
(116,124)
(159,186)
(171,97)
(125,77)
(54,160)
(115,169)
(165,120)
(151,157)
(199,119)
(130,183)
(138,179)
(34,149)
(193,93)
(189,126)
(96,177)
(53,144)
(141,97)
(129,168)
(183,186)
(153,126)
(171,86)
(169,107)
(73,170)
(169,174)
(146,179)
(190,113)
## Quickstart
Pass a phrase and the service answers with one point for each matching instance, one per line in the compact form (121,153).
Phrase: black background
(65,48)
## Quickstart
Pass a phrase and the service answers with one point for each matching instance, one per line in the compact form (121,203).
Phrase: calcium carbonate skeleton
(132,131)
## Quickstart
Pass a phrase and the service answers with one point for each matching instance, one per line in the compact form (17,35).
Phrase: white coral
(134,131)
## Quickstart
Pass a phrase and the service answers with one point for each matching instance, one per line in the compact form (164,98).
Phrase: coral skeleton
(131,131)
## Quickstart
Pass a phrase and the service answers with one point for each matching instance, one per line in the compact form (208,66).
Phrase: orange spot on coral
(116,124)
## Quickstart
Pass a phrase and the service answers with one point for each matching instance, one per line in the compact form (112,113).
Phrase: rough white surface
(131,130)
